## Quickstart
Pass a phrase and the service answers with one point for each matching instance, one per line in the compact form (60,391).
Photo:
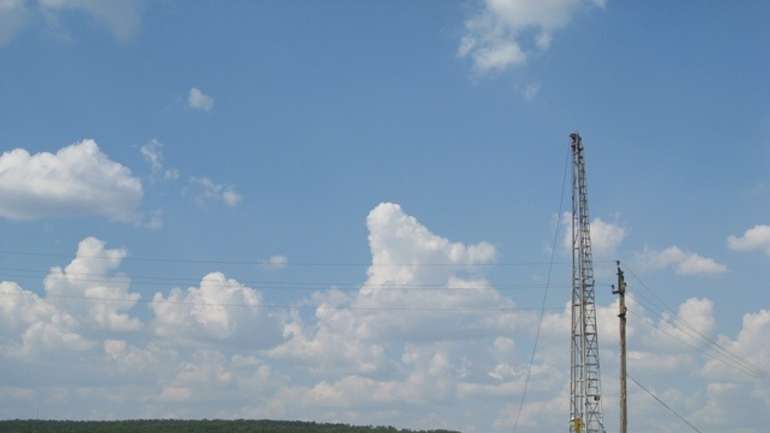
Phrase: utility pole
(585,378)
(620,290)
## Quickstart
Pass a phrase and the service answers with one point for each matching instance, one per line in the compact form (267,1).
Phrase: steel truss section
(585,378)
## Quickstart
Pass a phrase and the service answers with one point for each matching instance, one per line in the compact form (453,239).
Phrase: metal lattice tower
(585,380)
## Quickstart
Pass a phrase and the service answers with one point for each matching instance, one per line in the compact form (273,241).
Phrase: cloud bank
(416,345)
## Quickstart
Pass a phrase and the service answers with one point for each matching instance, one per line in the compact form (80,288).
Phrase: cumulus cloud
(694,317)
(354,331)
(82,300)
(91,275)
(752,344)
(208,191)
(684,262)
(606,237)
(652,361)
(403,256)
(496,34)
(220,308)
(425,341)
(198,100)
(79,335)
(30,324)
(401,248)
(77,180)
(756,238)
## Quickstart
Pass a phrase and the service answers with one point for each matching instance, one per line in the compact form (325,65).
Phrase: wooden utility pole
(620,290)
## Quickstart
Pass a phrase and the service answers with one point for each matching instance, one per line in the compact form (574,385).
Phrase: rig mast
(585,379)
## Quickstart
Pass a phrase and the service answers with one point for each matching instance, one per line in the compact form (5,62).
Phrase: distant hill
(190,426)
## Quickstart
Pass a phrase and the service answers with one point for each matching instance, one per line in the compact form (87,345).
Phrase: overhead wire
(268,264)
(154,280)
(701,344)
(400,289)
(132,301)
(663,403)
(699,348)
(527,377)
(692,330)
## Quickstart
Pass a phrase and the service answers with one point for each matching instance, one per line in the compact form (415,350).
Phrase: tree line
(193,426)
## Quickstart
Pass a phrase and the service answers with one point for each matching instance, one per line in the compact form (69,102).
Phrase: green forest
(189,426)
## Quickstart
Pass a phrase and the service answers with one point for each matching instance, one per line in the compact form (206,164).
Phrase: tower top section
(577,142)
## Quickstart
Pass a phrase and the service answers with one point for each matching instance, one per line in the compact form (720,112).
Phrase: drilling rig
(585,377)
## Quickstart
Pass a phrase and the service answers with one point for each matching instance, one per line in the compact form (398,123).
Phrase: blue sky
(278,130)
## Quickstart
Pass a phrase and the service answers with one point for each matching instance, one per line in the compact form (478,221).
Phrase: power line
(108,300)
(263,284)
(266,263)
(710,355)
(662,403)
(402,289)
(715,356)
(523,398)
(699,335)
(718,355)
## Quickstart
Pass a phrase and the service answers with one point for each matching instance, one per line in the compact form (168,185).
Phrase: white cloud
(77,180)
(652,361)
(401,247)
(683,331)
(684,262)
(756,238)
(30,324)
(495,36)
(328,347)
(752,344)
(152,152)
(82,301)
(698,313)
(208,190)
(403,253)
(695,264)
(199,101)
(418,345)
(354,331)
(55,339)
(605,236)
(221,308)
(91,275)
